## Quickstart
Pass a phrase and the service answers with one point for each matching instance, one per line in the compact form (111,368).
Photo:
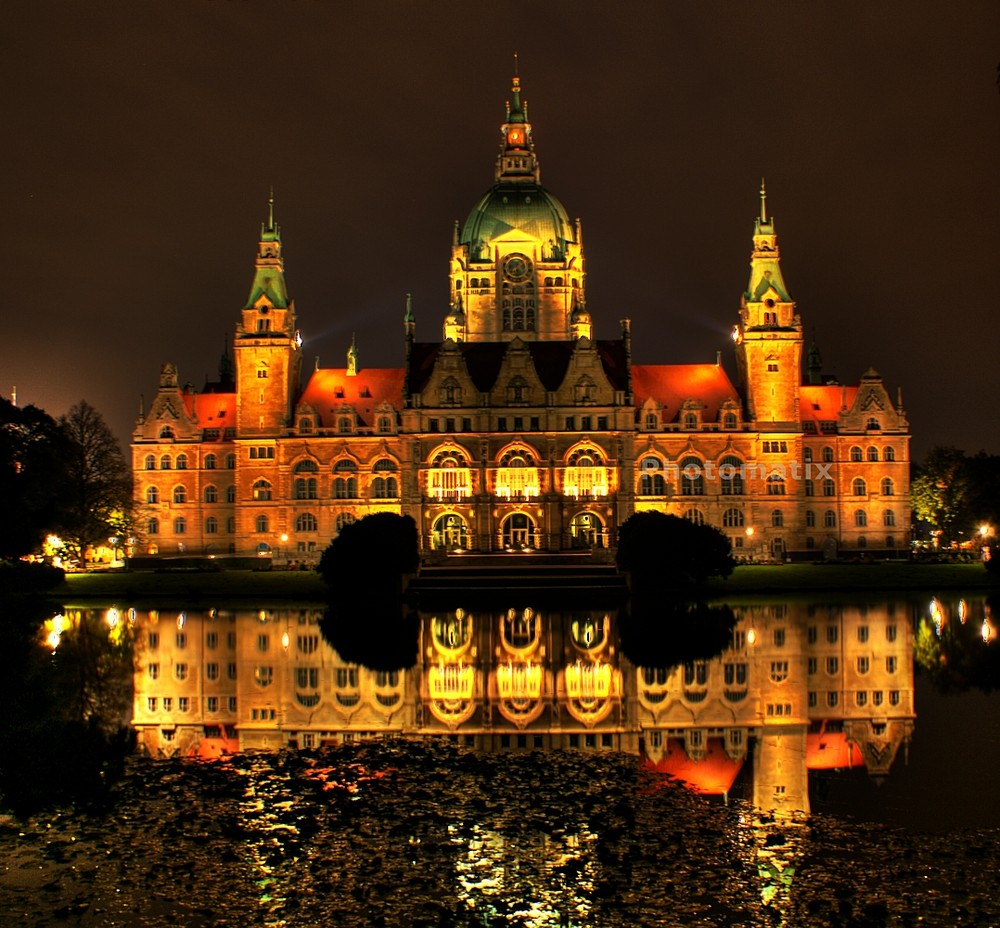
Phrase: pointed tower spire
(763,201)
(517,161)
(352,357)
(269,268)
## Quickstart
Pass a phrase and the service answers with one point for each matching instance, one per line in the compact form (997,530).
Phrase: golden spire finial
(763,201)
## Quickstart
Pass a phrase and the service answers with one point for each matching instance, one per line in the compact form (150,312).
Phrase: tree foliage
(367,619)
(98,498)
(954,494)
(33,474)
(666,552)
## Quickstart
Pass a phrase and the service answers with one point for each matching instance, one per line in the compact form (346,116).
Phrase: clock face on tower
(516,268)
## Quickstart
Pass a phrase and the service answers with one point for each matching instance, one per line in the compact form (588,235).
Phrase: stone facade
(520,429)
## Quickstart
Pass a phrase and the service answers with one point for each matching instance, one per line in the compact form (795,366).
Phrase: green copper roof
(527,207)
(268,282)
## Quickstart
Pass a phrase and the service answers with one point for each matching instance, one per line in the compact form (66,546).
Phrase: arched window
(304,488)
(888,487)
(153,527)
(261,525)
(872,424)
(807,455)
(230,461)
(733,518)
(692,477)
(150,462)
(829,487)
(652,420)
(166,432)
(180,494)
(775,485)
(305,425)
(211,494)
(306,522)
(860,518)
(729,420)
(384,425)
(182,461)
(180,526)
(890,541)
(889,454)
(384,466)
(231,494)
(165,462)
(810,518)
(343,519)
(856,454)
(211,525)
(344,486)
(385,488)
(777,518)
(152,495)
(210,462)
(888,517)
(873,453)
(859,487)
(829,518)
(345,424)
(651,481)
(262,490)
(690,420)
(731,475)
(828,453)
(862,542)
(695,516)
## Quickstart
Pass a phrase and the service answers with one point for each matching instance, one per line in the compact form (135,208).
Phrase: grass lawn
(306,586)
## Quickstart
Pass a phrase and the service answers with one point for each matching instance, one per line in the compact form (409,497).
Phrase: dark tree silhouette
(667,553)
(33,454)
(98,501)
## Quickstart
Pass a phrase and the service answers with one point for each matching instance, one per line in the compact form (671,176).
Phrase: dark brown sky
(141,140)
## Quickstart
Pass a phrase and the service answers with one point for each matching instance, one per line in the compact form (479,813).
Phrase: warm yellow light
(751,636)
(988,632)
(181,620)
(284,641)
(112,616)
(750,531)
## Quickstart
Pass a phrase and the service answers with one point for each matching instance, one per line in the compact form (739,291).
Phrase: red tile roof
(714,774)
(211,410)
(671,384)
(829,750)
(823,403)
(330,390)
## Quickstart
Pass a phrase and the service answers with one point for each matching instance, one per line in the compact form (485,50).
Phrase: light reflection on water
(525,780)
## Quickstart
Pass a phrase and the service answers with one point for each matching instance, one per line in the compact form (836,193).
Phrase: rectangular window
(212,671)
(585,423)
(212,704)
(153,641)
(449,425)
(518,423)
(890,665)
(536,424)
(183,704)
(432,425)
(151,703)
(154,671)
(602,423)
(466,425)
(862,633)
(232,703)
(779,637)
(571,423)
(501,423)
(231,670)
(168,704)
(890,633)
(212,640)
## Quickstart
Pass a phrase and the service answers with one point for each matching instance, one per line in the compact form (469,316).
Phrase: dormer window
(263,325)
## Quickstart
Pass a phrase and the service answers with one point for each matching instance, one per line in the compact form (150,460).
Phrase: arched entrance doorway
(518,532)
(586,531)
(449,533)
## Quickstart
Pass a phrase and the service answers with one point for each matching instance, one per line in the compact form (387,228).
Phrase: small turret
(352,358)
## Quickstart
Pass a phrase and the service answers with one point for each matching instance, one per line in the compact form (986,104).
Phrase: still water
(835,764)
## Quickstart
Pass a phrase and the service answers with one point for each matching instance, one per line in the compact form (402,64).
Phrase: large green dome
(527,207)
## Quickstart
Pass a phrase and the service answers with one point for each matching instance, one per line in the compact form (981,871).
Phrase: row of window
(888,454)
(862,664)
(304,522)
(861,698)
(212,703)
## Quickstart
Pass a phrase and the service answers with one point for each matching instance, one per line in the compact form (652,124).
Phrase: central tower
(517,268)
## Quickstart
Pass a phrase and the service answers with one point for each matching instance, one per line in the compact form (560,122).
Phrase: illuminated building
(520,428)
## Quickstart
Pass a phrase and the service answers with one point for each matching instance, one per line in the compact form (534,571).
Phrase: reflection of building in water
(800,688)
(814,687)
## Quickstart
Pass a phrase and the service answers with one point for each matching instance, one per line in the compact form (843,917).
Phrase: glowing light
(751,636)
(750,531)
(112,616)
(284,640)
(988,631)
(181,620)
(962,611)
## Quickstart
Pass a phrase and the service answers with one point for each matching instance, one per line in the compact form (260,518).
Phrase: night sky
(141,140)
